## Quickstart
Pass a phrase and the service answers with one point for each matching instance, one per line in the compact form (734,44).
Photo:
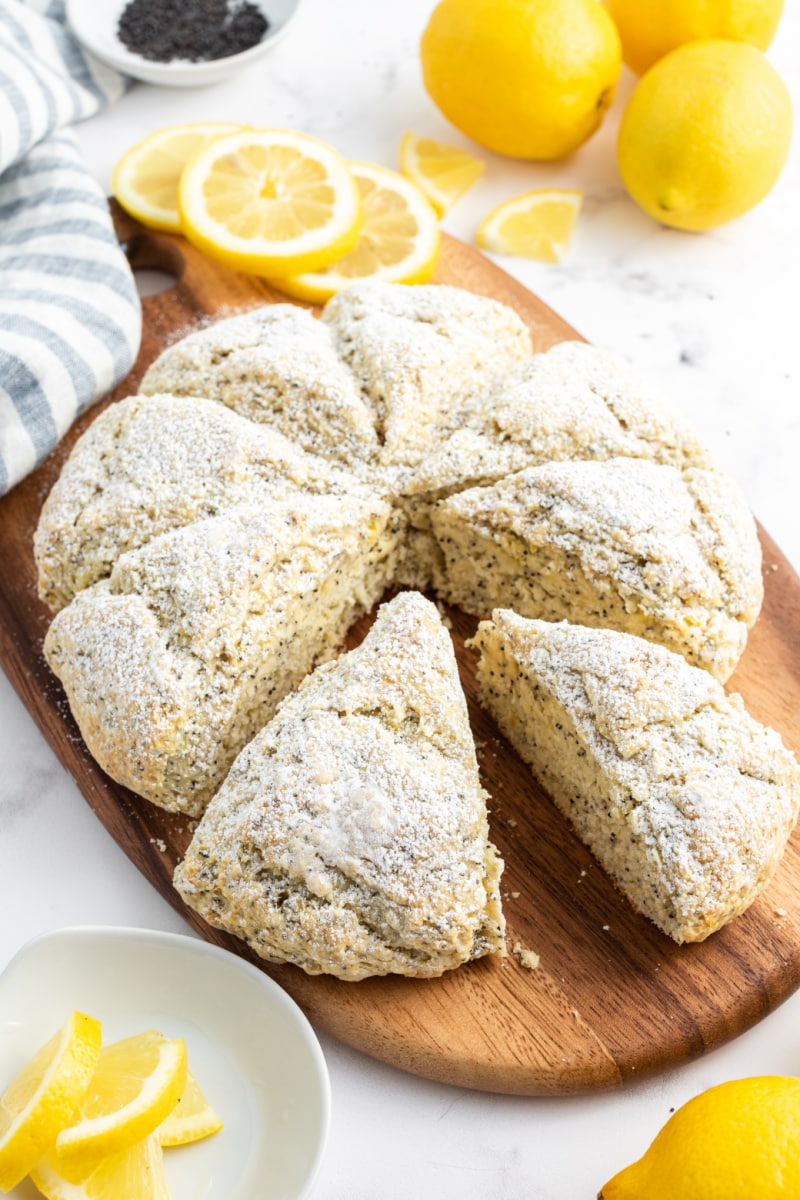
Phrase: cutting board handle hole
(157,263)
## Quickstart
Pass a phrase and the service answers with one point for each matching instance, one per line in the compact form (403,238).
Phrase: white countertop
(709,318)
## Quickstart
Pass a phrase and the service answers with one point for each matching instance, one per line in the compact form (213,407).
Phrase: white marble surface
(711,318)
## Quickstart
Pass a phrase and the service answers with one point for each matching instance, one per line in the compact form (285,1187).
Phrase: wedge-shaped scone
(350,836)
(686,801)
(626,544)
(149,464)
(573,401)
(419,353)
(173,662)
(275,365)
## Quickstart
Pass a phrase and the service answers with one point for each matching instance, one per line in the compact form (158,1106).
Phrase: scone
(573,401)
(350,836)
(149,464)
(277,366)
(419,353)
(686,801)
(172,663)
(625,543)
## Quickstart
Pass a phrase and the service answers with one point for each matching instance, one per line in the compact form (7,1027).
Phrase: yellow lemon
(443,172)
(705,134)
(737,1141)
(146,178)
(649,29)
(191,1119)
(526,78)
(270,201)
(136,1084)
(135,1174)
(398,243)
(45,1095)
(537,224)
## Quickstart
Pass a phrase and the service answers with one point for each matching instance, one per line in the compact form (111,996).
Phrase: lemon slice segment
(270,201)
(443,172)
(146,178)
(136,1084)
(399,240)
(192,1118)
(537,224)
(45,1096)
(136,1174)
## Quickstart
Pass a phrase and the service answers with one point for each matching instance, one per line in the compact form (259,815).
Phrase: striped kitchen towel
(70,318)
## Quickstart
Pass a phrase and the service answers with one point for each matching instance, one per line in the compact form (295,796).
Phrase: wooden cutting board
(612,999)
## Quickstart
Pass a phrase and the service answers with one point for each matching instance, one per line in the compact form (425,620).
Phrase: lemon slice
(399,240)
(192,1118)
(270,201)
(45,1096)
(136,1084)
(536,225)
(443,172)
(136,1174)
(146,178)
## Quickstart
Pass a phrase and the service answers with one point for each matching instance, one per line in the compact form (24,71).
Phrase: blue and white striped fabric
(70,319)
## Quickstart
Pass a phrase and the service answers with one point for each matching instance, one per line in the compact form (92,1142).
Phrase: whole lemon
(526,78)
(705,134)
(737,1141)
(651,28)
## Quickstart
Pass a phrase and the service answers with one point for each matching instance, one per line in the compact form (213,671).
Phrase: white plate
(94,23)
(252,1051)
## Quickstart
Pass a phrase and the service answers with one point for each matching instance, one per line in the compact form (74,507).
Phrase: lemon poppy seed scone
(623,543)
(172,663)
(350,837)
(571,402)
(685,800)
(418,353)
(149,464)
(277,366)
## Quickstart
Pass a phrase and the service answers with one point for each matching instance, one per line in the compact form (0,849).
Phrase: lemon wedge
(192,1118)
(136,1084)
(270,201)
(443,172)
(45,1096)
(537,224)
(146,178)
(399,240)
(136,1174)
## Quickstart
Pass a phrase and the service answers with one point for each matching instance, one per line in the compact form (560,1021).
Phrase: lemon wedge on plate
(45,1096)
(537,224)
(192,1118)
(398,243)
(443,172)
(135,1174)
(136,1084)
(270,201)
(146,178)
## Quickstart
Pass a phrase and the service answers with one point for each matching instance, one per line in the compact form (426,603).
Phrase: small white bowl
(95,26)
(252,1051)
